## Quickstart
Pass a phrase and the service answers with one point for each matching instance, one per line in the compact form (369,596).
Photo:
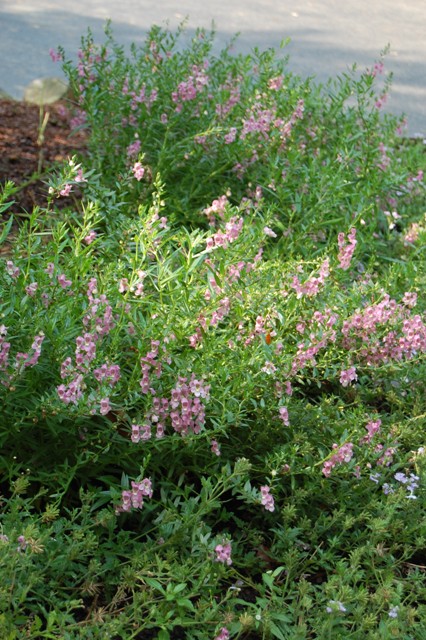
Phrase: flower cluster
(184,409)
(134,499)
(373,427)
(283,411)
(222,239)
(22,359)
(346,250)
(138,171)
(215,447)
(347,376)
(312,285)
(410,482)
(404,334)
(28,360)
(4,348)
(216,209)
(342,454)
(267,500)
(188,89)
(223,553)
(12,269)
(109,373)
(100,320)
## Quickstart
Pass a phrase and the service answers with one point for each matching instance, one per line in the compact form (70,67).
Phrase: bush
(213,375)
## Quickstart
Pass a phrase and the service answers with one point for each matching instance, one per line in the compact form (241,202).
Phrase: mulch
(20,153)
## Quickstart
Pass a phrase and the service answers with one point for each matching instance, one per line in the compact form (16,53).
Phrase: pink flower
(267,500)
(230,136)
(372,428)
(134,498)
(223,553)
(269,368)
(217,208)
(64,283)
(342,454)
(268,232)
(55,55)
(22,543)
(134,148)
(284,415)
(224,634)
(275,83)
(348,376)
(105,407)
(215,447)
(110,373)
(410,299)
(387,457)
(346,250)
(123,285)
(50,269)
(90,237)
(66,190)
(12,270)
(138,171)
(412,234)
(31,289)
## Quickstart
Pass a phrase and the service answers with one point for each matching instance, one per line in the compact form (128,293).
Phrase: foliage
(212,364)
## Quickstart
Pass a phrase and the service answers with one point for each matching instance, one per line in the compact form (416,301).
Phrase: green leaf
(151,582)
(8,225)
(185,603)
(277,632)
(268,580)
(179,587)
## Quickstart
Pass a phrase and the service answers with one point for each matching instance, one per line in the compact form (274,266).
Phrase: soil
(20,152)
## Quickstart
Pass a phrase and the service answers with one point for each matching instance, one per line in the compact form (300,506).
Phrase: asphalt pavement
(327,36)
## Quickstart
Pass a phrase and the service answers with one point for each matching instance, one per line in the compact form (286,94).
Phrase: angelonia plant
(212,362)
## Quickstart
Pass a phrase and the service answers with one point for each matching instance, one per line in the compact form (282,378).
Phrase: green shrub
(212,381)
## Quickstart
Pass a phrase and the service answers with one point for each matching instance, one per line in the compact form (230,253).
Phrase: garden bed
(212,354)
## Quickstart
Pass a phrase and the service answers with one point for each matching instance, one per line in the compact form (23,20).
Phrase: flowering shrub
(212,366)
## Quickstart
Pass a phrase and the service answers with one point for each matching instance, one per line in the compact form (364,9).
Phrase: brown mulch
(19,152)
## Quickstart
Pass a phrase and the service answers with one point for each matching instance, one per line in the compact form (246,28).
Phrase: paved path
(327,36)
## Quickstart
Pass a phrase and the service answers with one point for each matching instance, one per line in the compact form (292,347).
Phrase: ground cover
(212,361)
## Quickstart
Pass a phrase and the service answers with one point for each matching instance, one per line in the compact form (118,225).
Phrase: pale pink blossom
(31,289)
(269,232)
(63,281)
(267,499)
(347,376)
(56,56)
(223,553)
(105,407)
(342,454)
(346,250)
(134,148)
(284,415)
(90,237)
(275,83)
(66,190)
(138,171)
(215,447)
